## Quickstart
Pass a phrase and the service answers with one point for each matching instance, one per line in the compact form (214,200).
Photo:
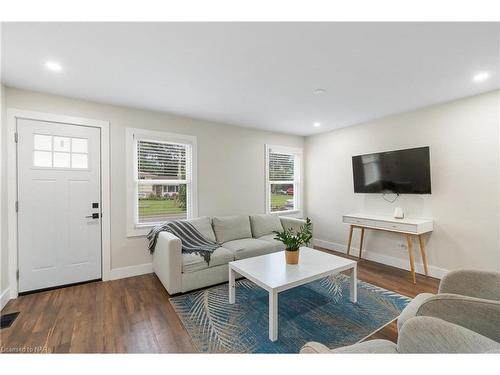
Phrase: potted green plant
(294,240)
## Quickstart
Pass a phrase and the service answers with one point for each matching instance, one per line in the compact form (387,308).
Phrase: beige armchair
(418,335)
(470,299)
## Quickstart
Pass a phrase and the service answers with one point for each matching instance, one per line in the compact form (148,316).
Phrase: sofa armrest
(292,223)
(479,284)
(410,311)
(479,315)
(431,335)
(167,262)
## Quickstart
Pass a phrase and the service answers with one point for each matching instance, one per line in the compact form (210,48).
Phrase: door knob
(93,216)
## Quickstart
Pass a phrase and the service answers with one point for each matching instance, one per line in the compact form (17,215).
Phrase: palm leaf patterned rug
(318,311)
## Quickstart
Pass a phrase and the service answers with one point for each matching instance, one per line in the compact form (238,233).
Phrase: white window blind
(161,161)
(283,176)
(163,181)
(281,167)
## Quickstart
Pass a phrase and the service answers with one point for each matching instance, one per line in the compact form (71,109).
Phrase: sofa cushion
(278,245)
(194,262)
(204,226)
(265,224)
(249,247)
(228,228)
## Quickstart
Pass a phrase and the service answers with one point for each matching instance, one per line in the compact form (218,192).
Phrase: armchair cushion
(477,314)
(425,334)
(479,284)
(367,347)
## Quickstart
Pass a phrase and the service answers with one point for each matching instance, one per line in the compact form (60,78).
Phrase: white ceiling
(258,75)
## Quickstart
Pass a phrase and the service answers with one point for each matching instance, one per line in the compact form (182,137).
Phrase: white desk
(408,226)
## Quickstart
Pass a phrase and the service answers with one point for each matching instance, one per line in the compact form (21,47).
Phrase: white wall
(4,277)
(230,161)
(463,136)
(464,140)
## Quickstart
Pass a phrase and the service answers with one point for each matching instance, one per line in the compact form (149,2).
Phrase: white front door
(59,182)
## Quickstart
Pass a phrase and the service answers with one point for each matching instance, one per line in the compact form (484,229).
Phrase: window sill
(286,213)
(141,231)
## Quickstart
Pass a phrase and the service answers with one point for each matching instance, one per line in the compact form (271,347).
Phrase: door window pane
(42,159)
(61,160)
(60,152)
(79,161)
(79,145)
(61,144)
(42,142)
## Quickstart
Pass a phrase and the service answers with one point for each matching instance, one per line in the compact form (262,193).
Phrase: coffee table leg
(232,286)
(353,297)
(273,316)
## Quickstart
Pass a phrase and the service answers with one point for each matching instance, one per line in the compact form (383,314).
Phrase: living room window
(283,183)
(162,179)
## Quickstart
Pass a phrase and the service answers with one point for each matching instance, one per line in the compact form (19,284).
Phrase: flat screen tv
(400,172)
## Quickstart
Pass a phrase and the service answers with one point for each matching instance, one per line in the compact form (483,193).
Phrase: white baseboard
(114,274)
(123,272)
(381,258)
(4,298)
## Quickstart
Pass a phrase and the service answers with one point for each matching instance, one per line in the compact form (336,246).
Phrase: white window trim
(131,135)
(298,181)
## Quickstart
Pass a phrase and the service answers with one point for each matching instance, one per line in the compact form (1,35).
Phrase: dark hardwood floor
(134,315)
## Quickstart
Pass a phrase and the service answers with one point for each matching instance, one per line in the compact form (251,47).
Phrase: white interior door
(59,241)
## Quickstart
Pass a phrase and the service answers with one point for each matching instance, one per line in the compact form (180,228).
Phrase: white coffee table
(271,273)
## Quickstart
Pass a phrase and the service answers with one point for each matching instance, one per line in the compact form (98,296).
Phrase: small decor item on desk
(399,213)
(294,240)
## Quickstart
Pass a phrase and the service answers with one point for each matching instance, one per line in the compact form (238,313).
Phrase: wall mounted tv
(400,172)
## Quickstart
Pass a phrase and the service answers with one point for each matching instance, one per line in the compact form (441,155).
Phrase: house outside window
(283,179)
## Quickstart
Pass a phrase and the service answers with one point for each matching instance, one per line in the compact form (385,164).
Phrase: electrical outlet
(402,245)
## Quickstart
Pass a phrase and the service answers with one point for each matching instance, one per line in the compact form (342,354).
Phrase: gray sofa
(240,237)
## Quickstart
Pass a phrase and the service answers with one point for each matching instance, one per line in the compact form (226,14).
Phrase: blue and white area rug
(318,311)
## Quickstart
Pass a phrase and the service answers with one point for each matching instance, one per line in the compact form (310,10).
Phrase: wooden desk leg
(424,255)
(409,238)
(349,240)
(361,241)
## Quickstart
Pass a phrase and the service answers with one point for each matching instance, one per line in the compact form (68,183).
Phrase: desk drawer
(388,225)
(359,221)
(397,226)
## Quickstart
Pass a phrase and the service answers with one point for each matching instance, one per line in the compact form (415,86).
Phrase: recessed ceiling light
(54,66)
(479,77)
(319,91)
(317,124)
